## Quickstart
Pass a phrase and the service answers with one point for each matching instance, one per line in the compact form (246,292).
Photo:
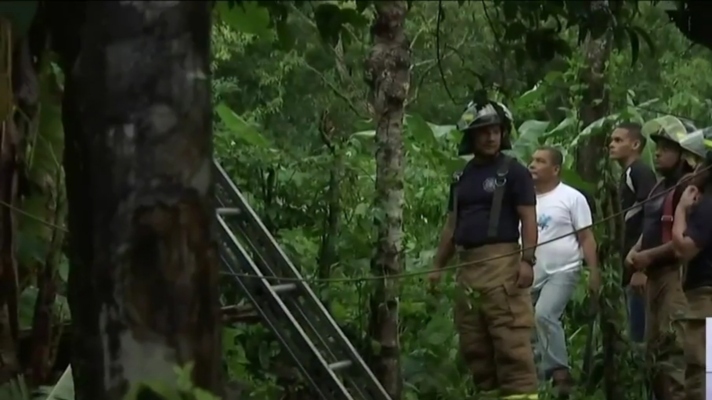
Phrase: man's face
(487,139)
(541,167)
(667,155)
(622,146)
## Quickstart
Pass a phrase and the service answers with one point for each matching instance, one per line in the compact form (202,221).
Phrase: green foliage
(285,69)
(271,97)
(183,390)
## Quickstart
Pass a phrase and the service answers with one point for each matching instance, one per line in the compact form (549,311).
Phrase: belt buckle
(666,218)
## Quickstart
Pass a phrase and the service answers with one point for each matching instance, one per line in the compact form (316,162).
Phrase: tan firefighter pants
(494,319)
(664,331)
(699,308)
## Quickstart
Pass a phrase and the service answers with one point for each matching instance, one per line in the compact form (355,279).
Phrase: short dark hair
(555,155)
(635,132)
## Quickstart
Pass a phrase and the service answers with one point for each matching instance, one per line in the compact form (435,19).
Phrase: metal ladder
(290,309)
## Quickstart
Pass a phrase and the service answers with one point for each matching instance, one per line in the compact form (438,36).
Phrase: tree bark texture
(388,75)
(144,280)
(595,102)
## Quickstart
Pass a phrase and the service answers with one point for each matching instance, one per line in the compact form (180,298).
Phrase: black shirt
(475,189)
(635,185)
(699,229)
(652,216)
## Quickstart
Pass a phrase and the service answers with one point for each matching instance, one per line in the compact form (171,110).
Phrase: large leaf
(64,389)
(239,128)
(531,131)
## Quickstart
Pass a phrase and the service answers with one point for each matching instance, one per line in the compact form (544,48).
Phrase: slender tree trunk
(388,75)
(146,257)
(595,102)
(595,105)
(328,252)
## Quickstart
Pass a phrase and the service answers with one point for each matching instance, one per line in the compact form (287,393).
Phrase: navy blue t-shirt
(475,190)
(699,229)
(652,220)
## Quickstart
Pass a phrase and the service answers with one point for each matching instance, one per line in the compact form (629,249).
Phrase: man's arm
(644,180)
(692,233)
(582,221)
(446,246)
(525,200)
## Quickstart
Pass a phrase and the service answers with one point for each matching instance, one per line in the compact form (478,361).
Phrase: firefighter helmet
(479,114)
(699,145)
(667,128)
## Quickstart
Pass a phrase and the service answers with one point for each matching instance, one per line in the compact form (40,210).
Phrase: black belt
(470,246)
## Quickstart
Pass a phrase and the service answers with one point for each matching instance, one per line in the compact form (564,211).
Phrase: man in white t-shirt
(565,238)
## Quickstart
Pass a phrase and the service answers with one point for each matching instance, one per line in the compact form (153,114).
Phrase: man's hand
(630,257)
(435,276)
(594,281)
(525,277)
(689,197)
(642,260)
(638,282)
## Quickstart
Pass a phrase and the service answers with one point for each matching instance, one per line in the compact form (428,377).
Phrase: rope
(410,274)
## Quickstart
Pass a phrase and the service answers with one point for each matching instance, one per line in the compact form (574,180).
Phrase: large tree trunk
(595,106)
(388,75)
(144,273)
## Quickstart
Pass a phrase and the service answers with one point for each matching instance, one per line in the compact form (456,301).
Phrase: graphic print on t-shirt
(543,221)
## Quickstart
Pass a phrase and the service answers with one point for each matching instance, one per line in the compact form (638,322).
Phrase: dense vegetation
(295,129)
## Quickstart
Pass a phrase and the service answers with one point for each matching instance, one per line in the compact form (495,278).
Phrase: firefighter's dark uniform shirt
(652,224)
(475,190)
(635,185)
(699,229)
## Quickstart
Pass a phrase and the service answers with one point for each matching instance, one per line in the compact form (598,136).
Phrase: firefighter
(494,315)
(657,269)
(692,241)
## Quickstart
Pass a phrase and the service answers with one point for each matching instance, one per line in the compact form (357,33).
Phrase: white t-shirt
(560,212)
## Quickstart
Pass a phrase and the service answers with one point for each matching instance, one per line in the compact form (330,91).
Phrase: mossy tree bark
(144,278)
(388,76)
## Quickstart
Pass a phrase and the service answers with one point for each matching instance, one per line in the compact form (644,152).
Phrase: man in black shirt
(627,144)
(494,315)
(692,241)
(657,269)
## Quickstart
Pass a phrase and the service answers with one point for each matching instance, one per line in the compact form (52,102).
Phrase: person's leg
(540,278)
(700,307)
(665,341)
(475,344)
(636,315)
(551,339)
(509,314)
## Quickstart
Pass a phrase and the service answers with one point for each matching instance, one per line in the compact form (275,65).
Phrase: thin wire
(459,265)
(411,273)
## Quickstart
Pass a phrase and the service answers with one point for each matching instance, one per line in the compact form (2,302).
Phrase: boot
(562,383)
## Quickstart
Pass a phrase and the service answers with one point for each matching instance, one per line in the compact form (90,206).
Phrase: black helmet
(479,114)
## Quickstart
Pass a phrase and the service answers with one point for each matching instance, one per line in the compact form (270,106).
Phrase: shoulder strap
(498,196)
(667,218)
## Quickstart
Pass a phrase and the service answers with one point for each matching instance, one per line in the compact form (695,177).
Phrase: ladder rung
(340,365)
(229,211)
(285,287)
